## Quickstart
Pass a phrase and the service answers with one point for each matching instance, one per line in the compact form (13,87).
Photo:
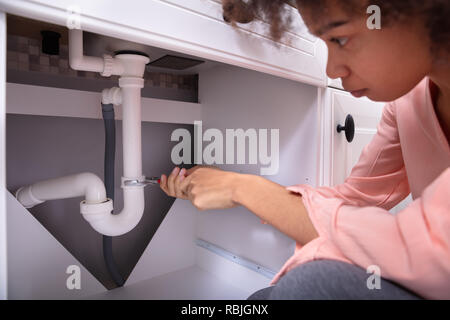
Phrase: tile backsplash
(25,54)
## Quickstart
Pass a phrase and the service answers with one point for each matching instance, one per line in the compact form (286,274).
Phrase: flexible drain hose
(110,150)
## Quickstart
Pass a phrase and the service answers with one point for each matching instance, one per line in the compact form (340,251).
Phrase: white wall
(236,98)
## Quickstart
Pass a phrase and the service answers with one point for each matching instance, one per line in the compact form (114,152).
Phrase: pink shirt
(409,154)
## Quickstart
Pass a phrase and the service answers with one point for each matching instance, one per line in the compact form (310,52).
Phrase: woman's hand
(211,188)
(206,187)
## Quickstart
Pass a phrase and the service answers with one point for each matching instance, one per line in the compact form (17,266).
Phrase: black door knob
(349,128)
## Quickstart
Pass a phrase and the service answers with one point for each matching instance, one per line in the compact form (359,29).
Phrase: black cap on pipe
(50,42)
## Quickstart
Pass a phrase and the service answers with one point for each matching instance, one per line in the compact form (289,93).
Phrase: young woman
(343,230)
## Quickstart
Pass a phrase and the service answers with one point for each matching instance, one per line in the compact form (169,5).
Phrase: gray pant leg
(262,294)
(331,279)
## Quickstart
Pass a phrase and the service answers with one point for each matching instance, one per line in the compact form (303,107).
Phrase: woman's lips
(358,93)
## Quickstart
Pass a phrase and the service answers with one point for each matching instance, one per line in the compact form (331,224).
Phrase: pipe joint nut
(108,65)
(96,211)
(112,95)
(26,197)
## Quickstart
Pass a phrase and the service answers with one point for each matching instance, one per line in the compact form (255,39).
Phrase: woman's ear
(236,11)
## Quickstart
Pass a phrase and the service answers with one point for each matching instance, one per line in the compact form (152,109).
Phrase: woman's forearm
(271,202)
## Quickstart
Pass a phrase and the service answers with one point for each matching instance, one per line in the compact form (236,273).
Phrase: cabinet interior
(160,256)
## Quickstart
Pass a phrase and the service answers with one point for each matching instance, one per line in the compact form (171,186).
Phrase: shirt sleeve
(411,248)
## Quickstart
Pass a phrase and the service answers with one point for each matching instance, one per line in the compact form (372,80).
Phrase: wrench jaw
(141,183)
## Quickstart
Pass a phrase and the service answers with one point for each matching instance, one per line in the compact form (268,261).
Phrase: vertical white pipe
(131,126)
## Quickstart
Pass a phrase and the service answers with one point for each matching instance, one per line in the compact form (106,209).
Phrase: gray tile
(44,68)
(11,40)
(24,66)
(22,40)
(63,51)
(33,50)
(45,61)
(54,61)
(12,65)
(23,48)
(23,57)
(34,42)
(63,63)
(34,59)
(12,56)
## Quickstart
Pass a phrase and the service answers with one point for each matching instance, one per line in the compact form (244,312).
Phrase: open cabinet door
(340,156)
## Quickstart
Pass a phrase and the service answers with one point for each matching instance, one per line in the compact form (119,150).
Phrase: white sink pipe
(96,208)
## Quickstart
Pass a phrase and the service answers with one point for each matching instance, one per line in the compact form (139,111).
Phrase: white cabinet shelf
(38,100)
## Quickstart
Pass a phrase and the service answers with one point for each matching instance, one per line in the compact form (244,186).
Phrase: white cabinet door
(366,115)
(194,27)
(340,156)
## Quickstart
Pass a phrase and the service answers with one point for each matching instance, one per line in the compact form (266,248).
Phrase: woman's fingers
(171,184)
(163,184)
(185,184)
(171,181)
(178,179)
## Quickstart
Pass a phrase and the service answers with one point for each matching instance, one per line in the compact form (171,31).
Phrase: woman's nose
(336,69)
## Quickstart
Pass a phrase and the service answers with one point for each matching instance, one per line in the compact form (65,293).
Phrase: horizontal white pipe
(77,185)
(96,209)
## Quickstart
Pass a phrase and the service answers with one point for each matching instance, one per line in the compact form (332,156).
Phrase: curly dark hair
(434,13)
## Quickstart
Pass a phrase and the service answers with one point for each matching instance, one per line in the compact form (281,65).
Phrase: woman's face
(385,64)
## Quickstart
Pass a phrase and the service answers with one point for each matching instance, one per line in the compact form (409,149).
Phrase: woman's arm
(271,202)
(211,188)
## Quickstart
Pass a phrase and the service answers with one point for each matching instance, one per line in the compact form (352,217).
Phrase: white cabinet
(194,27)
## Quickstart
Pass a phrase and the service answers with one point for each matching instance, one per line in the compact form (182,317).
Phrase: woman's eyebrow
(330,26)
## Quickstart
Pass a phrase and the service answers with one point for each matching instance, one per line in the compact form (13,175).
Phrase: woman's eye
(340,41)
